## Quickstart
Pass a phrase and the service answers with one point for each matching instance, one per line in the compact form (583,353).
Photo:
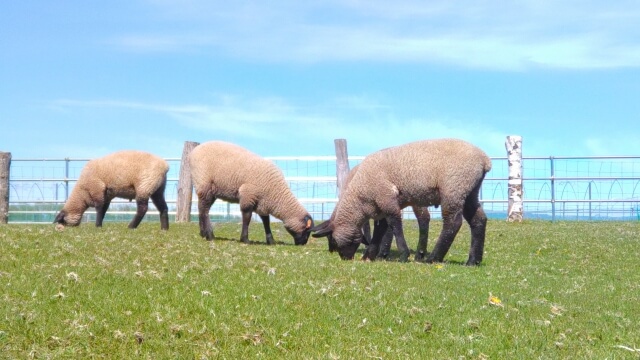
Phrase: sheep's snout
(302,239)
(299,238)
(348,250)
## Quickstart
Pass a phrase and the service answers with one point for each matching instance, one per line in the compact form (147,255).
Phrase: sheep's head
(301,237)
(345,244)
(67,219)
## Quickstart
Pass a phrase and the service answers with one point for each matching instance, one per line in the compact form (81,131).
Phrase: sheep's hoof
(207,235)
(420,256)
(473,262)
(404,257)
(270,240)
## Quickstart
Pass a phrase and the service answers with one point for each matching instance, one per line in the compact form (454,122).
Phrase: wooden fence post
(515,210)
(185,186)
(5,169)
(342,172)
(342,163)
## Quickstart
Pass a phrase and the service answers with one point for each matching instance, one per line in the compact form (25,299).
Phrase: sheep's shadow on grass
(251,242)
(264,242)
(394,256)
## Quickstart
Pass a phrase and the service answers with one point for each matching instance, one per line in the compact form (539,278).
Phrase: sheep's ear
(60,217)
(309,222)
(322,230)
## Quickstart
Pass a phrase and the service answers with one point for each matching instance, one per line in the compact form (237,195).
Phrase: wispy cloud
(368,124)
(489,34)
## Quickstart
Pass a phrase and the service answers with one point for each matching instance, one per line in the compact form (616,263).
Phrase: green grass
(566,290)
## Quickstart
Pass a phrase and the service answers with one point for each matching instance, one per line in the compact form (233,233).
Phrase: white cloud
(489,34)
(367,124)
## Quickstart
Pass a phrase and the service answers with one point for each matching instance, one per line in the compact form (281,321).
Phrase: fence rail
(575,188)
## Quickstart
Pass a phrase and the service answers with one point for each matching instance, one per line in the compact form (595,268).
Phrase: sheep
(128,174)
(422,215)
(221,170)
(445,172)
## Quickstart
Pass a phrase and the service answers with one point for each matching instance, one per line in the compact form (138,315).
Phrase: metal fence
(566,188)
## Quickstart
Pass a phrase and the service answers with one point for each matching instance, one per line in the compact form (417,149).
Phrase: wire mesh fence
(569,188)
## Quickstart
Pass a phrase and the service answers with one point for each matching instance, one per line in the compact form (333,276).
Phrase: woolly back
(226,167)
(421,170)
(229,166)
(121,172)
(123,169)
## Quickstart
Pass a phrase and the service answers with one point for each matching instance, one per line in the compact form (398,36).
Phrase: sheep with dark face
(422,215)
(222,170)
(445,172)
(128,174)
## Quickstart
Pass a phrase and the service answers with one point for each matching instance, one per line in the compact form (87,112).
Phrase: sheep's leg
(266,222)
(451,222)
(246,219)
(379,228)
(205,201)
(477,219)
(366,232)
(143,206)
(101,210)
(158,200)
(424,217)
(385,244)
(395,222)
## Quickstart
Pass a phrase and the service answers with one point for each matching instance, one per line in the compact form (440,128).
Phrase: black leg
(477,220)
(451,222)
(205,201)
(101,210)
(379,228)
(424,217)
(395,222)
(246,219)
(385,244)
(366,232)
(159,202)
(266,222)
(143,206)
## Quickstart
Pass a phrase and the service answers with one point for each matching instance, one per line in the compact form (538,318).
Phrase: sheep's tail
(487,164)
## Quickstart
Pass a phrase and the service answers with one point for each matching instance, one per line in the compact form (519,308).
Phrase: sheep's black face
(300,238)
(303,237)
(347,249)
(63,218)
(60,218)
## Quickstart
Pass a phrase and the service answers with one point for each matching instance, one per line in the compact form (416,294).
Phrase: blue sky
(84,78)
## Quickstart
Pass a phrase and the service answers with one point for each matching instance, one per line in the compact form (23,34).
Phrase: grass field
(564,290)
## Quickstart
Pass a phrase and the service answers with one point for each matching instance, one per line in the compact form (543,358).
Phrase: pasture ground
(545,290)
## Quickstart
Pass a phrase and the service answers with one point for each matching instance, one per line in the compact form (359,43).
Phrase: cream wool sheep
(446,172)
(128,174)
(422,215)
(222,170)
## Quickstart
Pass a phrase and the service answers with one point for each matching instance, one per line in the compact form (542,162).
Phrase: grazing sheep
(421,213)
(128,174)
(222,170)
(446,172)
